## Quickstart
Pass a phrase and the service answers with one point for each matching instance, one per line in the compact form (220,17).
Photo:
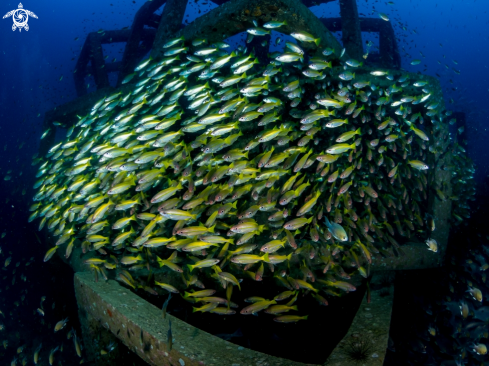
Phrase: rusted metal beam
(141,327)
(91,52)
(307,3)
(97,61)
(132,51)
(388,56)
(170,23)
(351,33)
(86,65)
(153,21)
(310,3)
(80,69)
(236,16)
(389,52)
(414,256)
(370,326)
(261,52)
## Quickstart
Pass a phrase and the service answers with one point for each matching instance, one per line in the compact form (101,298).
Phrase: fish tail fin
(160,261)
(317,41)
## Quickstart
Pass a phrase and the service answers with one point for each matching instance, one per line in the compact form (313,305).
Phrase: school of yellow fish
(229,171)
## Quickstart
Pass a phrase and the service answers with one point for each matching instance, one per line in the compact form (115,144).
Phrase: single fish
(336,230)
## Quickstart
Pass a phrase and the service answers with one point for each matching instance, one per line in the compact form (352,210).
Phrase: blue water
(32,63)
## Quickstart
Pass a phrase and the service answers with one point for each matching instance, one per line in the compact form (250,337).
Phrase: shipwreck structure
(108,308)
